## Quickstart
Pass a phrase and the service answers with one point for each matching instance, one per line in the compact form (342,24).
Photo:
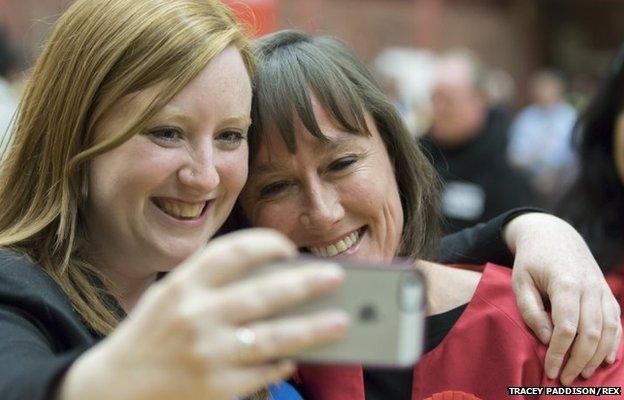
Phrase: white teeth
(336,248)
(180,210)
(341,246)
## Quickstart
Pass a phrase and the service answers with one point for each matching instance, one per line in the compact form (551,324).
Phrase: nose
(323,207)
(200,171)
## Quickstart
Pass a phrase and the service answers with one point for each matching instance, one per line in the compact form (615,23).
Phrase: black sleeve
(482,243)
(29,369)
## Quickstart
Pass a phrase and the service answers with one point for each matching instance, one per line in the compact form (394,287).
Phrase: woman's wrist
(520,227)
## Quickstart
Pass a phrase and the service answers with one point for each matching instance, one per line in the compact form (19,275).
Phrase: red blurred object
(453,395)
(260,16)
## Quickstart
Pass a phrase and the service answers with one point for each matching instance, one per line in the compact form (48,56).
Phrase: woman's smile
(346,245)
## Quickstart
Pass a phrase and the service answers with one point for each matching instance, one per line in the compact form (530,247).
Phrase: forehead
(223,85)
(222,89)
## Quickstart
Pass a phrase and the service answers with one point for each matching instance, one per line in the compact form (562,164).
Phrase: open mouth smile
(179,209)
(340,246)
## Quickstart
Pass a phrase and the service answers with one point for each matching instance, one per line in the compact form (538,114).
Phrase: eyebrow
(333,145)
(171,113)
(241,120)
(175,113)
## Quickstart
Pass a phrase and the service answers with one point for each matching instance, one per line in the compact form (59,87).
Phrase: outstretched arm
(551,261)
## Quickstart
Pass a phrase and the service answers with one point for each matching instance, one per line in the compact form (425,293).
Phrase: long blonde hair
(99,52)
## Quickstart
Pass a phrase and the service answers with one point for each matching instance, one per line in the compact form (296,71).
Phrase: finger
(286,336)
(607,341)
(230,256)
(261,297)
(588,338)
(565,315)
(532,309)
(244,381)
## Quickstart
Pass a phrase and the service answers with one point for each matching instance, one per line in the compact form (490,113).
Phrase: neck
(447,287)
(129,282)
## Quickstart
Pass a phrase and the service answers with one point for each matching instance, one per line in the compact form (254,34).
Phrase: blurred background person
(500,89)
(406,76)
(466,144)
(539,138)
(8,99)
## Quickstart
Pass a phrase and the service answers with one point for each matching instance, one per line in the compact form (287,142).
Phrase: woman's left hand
(552,260)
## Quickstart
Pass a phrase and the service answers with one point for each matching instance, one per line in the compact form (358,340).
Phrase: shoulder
(19,278)
(448,287)
(30,297)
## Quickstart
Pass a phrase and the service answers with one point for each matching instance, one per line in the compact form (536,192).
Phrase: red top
(488,349)
(615,279)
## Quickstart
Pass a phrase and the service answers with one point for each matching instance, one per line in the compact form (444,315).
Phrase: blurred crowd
(491,154)
(493,149)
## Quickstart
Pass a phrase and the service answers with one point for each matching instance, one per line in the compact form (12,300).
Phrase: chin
(172,256)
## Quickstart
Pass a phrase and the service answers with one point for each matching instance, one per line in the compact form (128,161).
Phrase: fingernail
(588,372)
(566,381)
(552,372)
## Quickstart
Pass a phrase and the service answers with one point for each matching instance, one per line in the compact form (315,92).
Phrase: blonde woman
(129,152)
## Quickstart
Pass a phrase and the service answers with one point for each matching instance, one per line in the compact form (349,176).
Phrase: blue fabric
(540,138)
(284,391)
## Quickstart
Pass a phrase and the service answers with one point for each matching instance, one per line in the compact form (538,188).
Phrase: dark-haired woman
(595,202)
(333,168)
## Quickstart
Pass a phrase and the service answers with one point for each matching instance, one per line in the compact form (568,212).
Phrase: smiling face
(334,199)
(162,194)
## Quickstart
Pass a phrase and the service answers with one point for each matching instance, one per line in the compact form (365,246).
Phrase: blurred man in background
(540,137)
(467,143)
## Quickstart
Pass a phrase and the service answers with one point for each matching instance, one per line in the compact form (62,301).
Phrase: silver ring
(247,340)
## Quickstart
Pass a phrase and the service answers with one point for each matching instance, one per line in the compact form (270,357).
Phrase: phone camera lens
(368,313)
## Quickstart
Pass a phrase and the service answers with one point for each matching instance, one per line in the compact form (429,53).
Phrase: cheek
(129,170)
(381,194)
(280,216)
(233,171)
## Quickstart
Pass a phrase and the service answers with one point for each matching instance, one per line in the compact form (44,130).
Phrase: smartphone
(386,304)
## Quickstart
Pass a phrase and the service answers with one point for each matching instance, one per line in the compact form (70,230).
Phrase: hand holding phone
(386,304)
